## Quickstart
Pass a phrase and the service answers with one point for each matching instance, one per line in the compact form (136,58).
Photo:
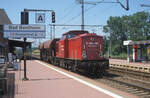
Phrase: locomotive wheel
(66,66)
(73,68)
(52,62)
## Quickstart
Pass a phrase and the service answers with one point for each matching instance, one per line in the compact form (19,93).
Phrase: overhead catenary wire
(138,2)
(95,3)
(67,11)
(86,10)
(79,14)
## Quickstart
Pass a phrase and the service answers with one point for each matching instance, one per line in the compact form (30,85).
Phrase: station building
(4,19)
(8,45)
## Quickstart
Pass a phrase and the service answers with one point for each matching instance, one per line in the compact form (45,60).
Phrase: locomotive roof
(76,32)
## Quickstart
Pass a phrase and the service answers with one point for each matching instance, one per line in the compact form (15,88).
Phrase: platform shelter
(13,43)
(8,45)
(140,50)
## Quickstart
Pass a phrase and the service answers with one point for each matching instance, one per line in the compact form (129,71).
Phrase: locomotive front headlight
(84,54)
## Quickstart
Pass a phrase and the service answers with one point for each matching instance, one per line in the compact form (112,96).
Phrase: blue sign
(22,31)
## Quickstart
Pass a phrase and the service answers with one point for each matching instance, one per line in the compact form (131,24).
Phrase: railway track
(127,82)
(130,73)
(127,85)
(136,83)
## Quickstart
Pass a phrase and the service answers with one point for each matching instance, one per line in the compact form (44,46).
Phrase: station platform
(135,66)
(48,81)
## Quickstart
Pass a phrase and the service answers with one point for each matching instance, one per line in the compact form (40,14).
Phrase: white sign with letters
(22,31)
(40,17)
(127,42)
(10,58)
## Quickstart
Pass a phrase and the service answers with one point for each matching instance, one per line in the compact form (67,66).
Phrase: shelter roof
(18,43)
(144,42)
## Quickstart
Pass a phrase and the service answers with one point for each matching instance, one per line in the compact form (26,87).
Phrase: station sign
(24,31)
(127,42)
(40,17)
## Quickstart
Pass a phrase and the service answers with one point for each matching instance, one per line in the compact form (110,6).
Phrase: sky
(69,12)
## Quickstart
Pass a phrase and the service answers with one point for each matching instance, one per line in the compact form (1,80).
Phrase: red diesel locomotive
(76,50)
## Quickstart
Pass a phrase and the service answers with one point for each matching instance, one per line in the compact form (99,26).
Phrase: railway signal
(53,17)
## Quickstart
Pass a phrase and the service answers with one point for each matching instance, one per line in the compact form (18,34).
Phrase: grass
(36,53)
(120,56)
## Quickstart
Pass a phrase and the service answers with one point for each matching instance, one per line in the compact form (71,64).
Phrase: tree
(134,27)
(139,26)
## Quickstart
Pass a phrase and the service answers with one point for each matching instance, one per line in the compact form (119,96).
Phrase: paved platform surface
(137,66)
(47,81)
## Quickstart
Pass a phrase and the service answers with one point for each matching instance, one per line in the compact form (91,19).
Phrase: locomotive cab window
(71,35)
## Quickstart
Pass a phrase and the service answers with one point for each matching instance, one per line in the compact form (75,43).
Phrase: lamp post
(25,21)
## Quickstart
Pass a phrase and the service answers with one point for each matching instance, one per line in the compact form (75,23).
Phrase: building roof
(4,19)
(144,42)
(17,43)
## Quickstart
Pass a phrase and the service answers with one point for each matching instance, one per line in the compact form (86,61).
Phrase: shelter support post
(128,53)
(30,51)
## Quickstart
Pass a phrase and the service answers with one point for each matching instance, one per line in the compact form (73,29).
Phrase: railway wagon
(76,50)
(48,50)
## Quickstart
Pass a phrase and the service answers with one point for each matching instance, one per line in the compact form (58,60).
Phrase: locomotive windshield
(71,35)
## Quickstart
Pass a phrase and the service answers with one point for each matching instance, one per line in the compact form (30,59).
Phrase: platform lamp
(25,21)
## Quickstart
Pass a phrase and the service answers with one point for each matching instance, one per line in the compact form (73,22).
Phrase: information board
(24,31)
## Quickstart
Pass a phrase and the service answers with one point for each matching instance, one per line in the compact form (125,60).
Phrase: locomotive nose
(92,47)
